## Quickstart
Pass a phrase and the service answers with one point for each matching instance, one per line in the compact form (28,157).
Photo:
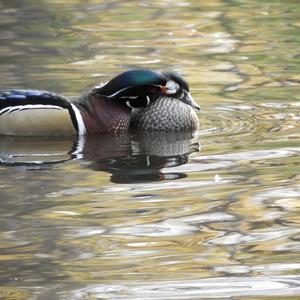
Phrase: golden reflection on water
(137,217)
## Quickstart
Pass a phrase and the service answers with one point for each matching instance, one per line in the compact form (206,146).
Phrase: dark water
(215,215)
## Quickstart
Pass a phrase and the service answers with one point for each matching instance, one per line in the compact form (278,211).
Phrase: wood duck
(162,97)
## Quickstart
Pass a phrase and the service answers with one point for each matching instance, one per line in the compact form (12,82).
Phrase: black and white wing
(33,113)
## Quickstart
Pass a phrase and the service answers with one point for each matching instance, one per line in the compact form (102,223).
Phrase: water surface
(215,215)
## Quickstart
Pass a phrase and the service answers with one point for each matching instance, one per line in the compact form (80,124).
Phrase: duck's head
(139,88)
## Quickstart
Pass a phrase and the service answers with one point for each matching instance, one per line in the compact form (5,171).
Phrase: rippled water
(215,215)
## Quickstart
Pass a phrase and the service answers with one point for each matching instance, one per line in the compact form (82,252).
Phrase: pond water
(215,215)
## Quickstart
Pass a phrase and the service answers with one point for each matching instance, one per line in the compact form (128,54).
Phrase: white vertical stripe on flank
(81,126)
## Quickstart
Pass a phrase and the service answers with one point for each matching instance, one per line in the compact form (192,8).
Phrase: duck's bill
(188,99)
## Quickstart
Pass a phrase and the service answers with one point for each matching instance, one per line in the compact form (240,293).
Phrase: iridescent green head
(139,88)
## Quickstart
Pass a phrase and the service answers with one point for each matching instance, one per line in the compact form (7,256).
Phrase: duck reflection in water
(128,157)
(140,157)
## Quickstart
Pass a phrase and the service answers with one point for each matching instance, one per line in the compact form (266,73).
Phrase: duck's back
(34,113)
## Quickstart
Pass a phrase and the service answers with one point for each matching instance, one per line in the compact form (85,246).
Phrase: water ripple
(174,226)
(252,155)
(212,288)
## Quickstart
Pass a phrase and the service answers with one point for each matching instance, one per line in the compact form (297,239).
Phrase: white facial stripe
(80,123)
(118,92)
(148,100)
(128,104)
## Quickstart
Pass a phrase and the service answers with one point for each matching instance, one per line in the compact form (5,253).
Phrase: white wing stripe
(11,109)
